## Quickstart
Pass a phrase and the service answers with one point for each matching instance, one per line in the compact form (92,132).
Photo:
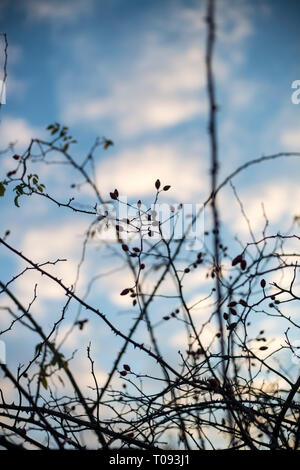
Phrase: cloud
(134,171)
(234,24)
(242,93)
(50,243)
(16,130)
(133,115)
(159,89)
(279,197)
(160,86)
(161,83)
(233,20)
(290,138)
(57,10)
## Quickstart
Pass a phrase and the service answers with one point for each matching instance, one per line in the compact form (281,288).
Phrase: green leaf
(16,200)
(38,348)
(44,382)
(2,189)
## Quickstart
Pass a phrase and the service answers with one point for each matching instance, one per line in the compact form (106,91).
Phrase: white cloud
(136,114)
(134,171)
(161,83)
(281,203)
(290,138)
(58,10)
(16,130)
(50,243)
(233,20)
(161,88)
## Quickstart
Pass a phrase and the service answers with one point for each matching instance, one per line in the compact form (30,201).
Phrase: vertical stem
(214,162)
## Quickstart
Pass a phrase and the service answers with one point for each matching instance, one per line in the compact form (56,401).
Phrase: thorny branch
(228,385)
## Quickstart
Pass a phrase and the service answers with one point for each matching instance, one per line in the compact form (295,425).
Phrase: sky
(134,72)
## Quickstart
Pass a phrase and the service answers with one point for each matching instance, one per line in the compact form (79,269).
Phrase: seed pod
(214,383)
(243,303)
(238,259)
(125,247)
(157,184)
(125,292)
(113,196)
(167,187)
(126,367)
(263,348)
(123,373)
(232,304)
(243,264)
(263,283)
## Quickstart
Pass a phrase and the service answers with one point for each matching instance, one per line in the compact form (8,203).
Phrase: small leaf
(44,382)
(16,201)
(2,189)
(107,143)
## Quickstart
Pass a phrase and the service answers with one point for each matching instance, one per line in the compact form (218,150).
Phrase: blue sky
(134,72)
